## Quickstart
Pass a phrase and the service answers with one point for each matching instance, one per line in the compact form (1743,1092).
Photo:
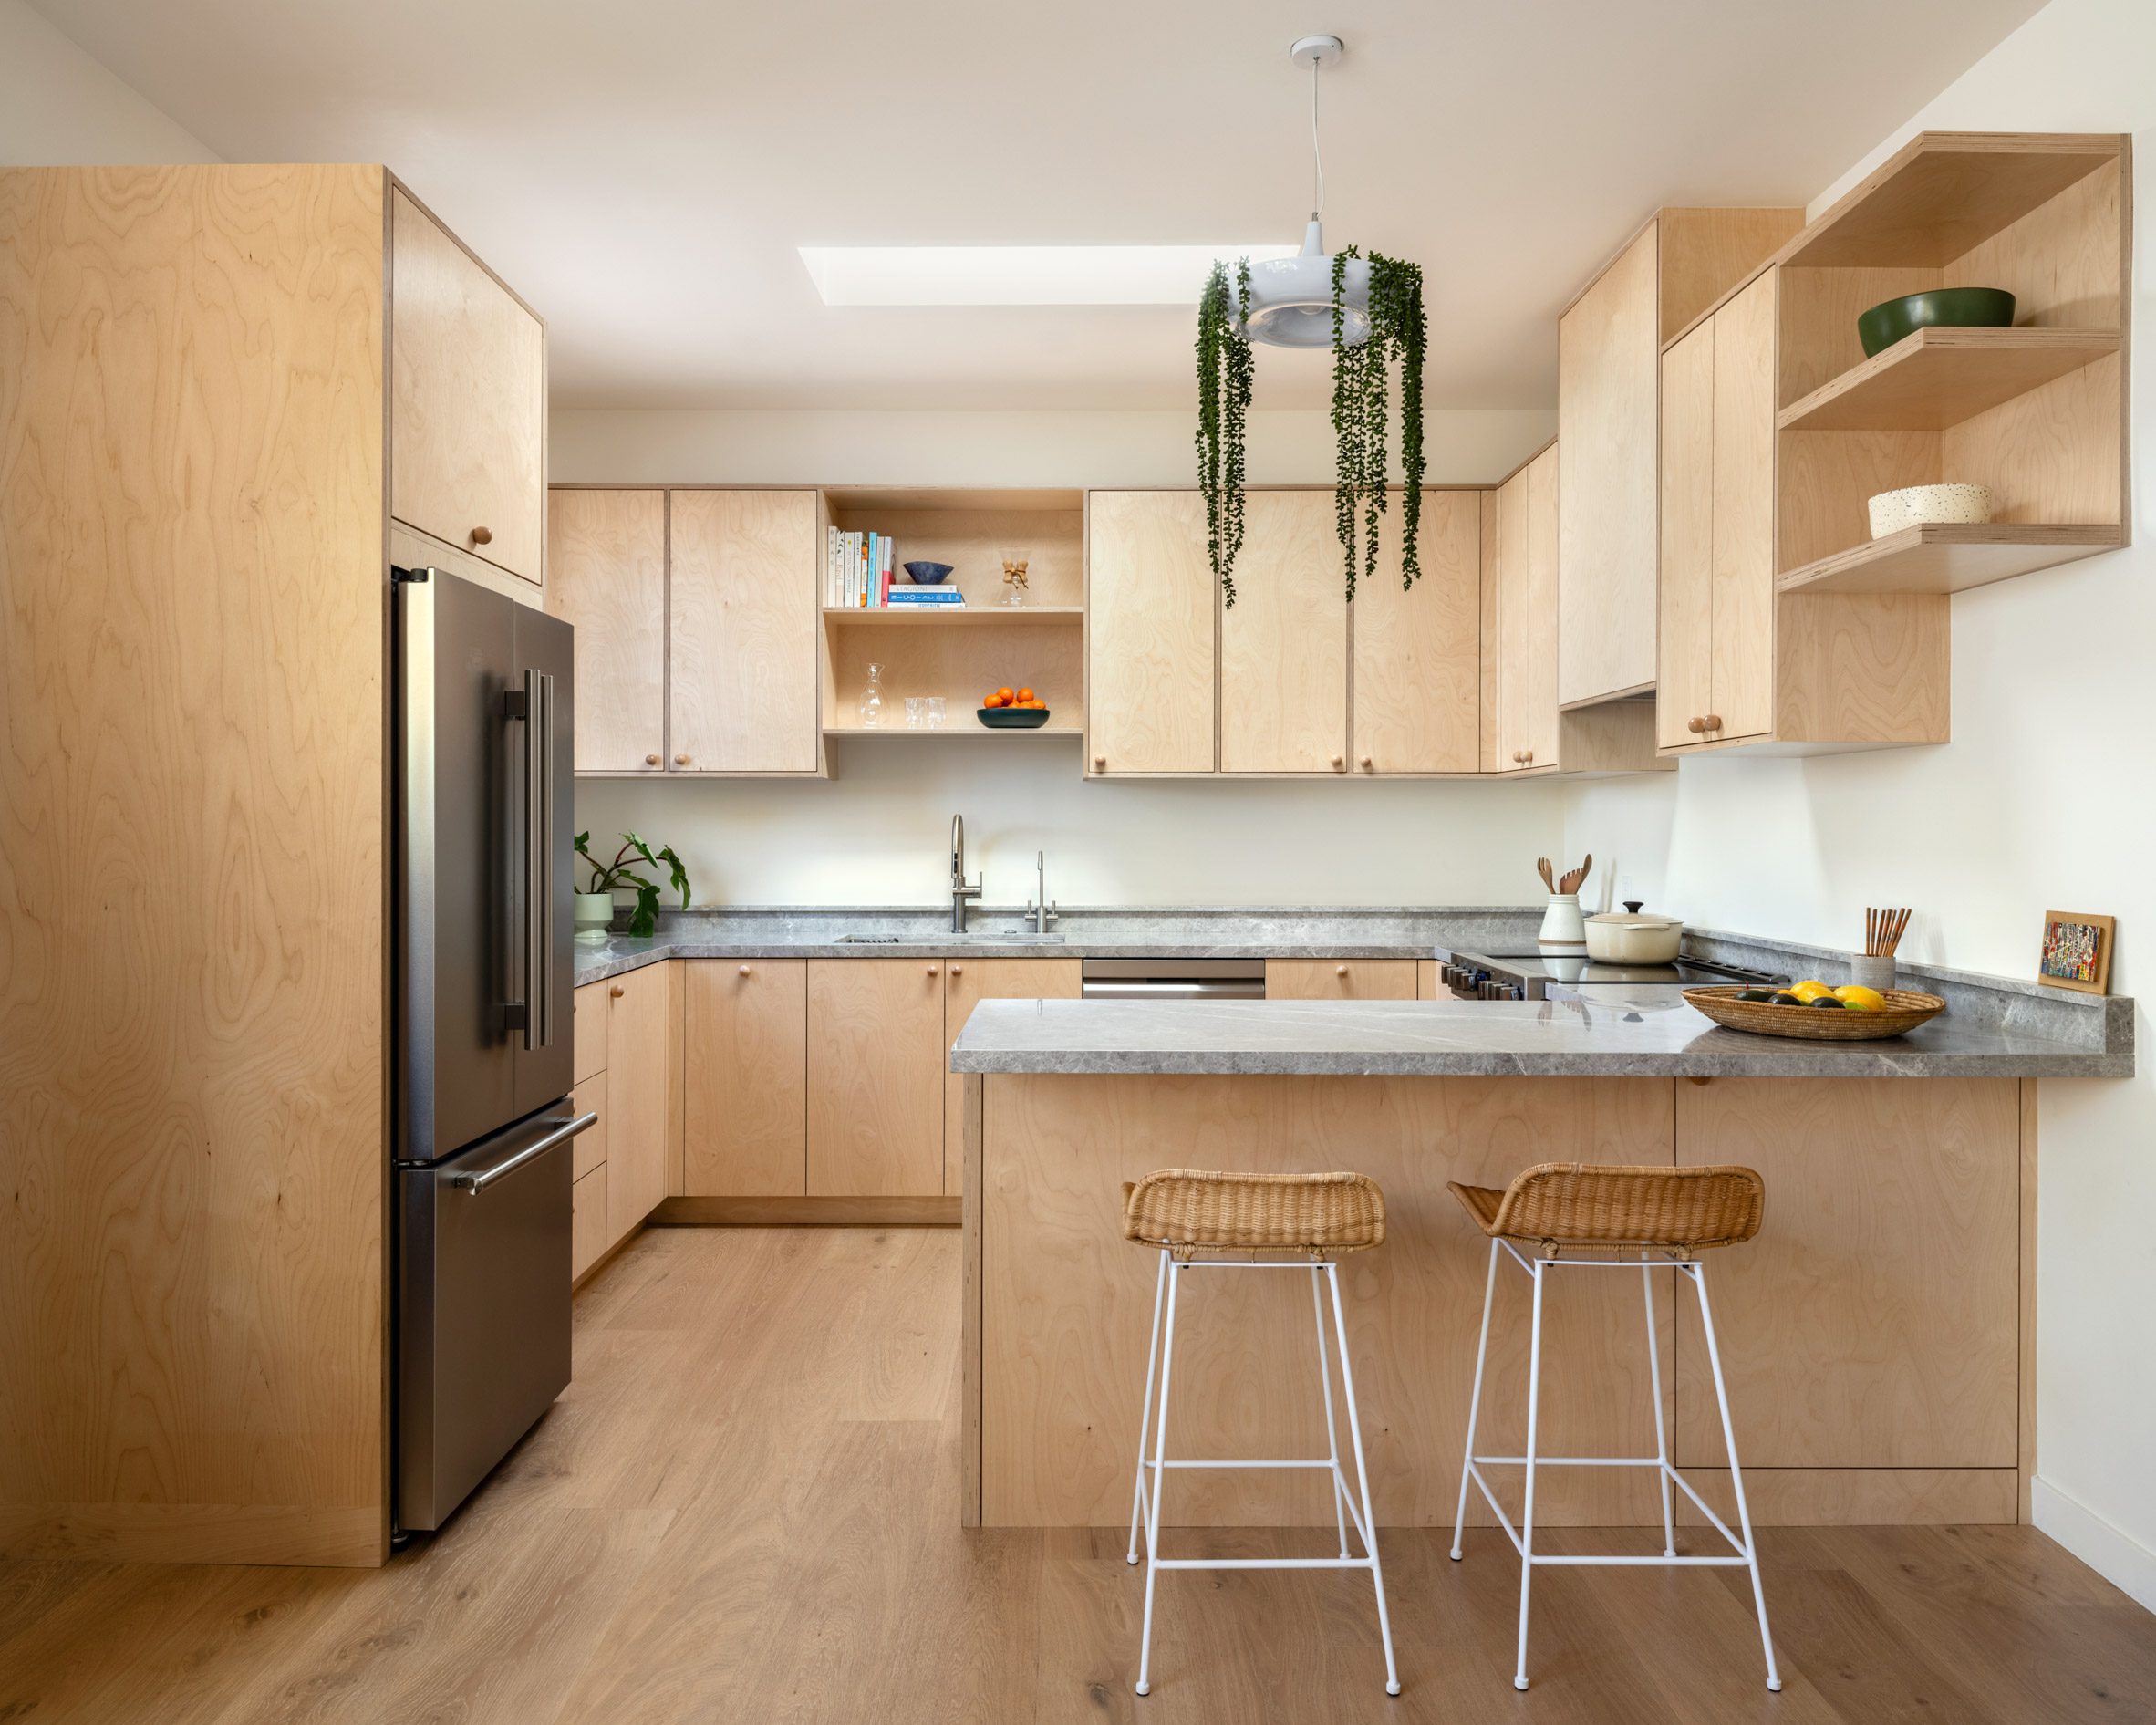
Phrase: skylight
(1020,274)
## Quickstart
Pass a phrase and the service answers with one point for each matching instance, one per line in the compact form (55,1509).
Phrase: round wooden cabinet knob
(617,992)
(1342,971)
(651,760)
(1695,725)
(680,760)
(931,970)
(1100,763)
(1369,765)
(744,970)
(1712,721)
(481,537)
(1338,764)
(1527,756)
(958,970)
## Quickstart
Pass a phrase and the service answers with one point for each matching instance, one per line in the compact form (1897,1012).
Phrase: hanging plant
(1360,410)
(1224,371)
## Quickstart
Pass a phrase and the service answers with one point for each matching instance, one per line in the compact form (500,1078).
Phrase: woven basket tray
(1905,1011)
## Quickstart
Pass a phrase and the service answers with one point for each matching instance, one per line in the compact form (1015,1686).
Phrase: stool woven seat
(1190,1210)
(1577,1204)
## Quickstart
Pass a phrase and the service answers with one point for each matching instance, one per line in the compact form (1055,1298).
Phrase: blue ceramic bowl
(928,573)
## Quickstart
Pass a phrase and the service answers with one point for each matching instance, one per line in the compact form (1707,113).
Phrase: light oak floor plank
(746,1507)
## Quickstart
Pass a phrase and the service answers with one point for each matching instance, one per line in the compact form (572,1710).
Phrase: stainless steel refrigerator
(482,1156)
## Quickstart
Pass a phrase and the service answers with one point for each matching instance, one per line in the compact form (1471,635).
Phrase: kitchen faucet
(959,890)
(1040,908)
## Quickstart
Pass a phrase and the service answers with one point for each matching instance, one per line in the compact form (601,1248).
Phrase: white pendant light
(1292,297)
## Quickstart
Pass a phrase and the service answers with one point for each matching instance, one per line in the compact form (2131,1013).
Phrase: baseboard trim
(808,1212)
(355,1537)
(2105,1546)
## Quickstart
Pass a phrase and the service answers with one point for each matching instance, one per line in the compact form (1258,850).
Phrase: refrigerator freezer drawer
(482,1307)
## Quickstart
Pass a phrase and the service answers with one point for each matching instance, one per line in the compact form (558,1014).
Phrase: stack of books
(859,574)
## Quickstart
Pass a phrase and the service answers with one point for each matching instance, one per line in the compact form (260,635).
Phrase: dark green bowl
(1939,309)
(1014,718)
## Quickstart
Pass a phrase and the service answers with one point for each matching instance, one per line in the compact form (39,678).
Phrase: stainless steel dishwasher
(1174,978)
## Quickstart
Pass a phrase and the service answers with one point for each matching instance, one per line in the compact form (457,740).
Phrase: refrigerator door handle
(539,819)
(476,1183)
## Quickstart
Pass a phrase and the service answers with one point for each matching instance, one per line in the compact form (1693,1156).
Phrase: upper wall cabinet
(743,649)
(1152,647)
(1284,645)
(1608,344)
(607,568)
(1533,734)
(1417,659)
(1740,667)
(468,426)
(2035,413)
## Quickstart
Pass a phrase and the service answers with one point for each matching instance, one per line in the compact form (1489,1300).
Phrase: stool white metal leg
(1347,1506)
(1743,1551)
(1137,1500)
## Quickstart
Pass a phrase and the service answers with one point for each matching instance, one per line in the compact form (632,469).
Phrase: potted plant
(594,905)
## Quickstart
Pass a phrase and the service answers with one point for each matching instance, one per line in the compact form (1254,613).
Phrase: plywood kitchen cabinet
(967,982)
(1533,736)
(876,1102)
(1340,979)
(639,1072)
(1919,1254)
(1418,652)
(1741,667)
(607,576)
(745,636)
(1284,644)
(226,389)
(468,399)
(1153,635)
(1609,345)
(745,1130)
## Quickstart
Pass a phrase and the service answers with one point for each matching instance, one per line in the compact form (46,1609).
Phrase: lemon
(1860,999)
(1809,991)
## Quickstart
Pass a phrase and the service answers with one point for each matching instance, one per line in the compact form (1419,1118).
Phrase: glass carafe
(871,705)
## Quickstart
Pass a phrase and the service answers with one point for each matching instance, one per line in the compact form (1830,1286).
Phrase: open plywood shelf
(1940,558)
(915,615)
(2035,413)
(1937,377)
(964,724)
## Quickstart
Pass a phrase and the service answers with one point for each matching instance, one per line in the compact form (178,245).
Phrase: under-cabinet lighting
(1020,274)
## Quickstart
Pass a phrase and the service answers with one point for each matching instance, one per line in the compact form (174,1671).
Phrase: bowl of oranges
(1013,709)
(1815,1012)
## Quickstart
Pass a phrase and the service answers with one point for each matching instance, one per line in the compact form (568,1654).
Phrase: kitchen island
(1878,1333)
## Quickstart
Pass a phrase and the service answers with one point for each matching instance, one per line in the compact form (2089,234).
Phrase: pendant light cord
(1317,151)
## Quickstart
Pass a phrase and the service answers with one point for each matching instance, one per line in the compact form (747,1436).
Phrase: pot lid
(1633,920)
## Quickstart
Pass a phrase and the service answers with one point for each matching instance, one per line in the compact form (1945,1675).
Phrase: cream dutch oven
(1629,936)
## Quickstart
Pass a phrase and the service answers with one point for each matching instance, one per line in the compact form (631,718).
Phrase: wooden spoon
(1549,880)
(1571,883)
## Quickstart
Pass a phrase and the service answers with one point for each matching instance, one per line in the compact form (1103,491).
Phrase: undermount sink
(991,937)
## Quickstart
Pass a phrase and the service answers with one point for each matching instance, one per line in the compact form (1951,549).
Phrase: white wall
(879,833)
(59,106)
(2041,802)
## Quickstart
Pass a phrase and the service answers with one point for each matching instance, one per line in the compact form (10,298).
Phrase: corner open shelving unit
(962,652)
(2035,413)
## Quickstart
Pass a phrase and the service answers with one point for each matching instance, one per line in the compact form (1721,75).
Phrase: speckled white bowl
(1915,505)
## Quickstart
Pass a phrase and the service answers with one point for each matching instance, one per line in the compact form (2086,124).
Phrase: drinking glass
(935,712)
(915,707)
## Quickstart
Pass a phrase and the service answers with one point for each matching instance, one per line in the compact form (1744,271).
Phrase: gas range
(1527,976)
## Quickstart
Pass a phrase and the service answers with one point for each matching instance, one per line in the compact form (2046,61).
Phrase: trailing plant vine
(1397,335)
(605,876)
(1361,407)
(1224,372)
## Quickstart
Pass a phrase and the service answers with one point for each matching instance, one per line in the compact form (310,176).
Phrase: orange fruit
(991,700)
(1005,696)
(1024,695)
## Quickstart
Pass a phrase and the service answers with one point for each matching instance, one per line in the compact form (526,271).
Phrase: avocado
(1756,995)
(1829,999)
(1786,999)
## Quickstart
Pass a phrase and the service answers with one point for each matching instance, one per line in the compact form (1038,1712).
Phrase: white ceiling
(643,173)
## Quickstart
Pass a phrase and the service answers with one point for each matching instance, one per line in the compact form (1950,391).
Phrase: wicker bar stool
(1626,1216)
(1194,1217)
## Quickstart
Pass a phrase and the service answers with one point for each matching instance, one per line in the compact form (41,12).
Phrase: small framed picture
(2077,951)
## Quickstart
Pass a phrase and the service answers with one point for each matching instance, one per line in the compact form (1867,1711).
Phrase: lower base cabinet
(1340,979)
(875,1050)
(624,1033)
(745,1114)
(587,1224)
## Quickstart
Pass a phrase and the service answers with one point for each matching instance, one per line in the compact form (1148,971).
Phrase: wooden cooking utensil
(1573,877)
(1549,880)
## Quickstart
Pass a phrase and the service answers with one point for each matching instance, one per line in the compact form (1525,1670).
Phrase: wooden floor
(746,1508)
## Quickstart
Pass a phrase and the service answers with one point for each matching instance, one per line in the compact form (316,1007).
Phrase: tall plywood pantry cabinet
(230,397)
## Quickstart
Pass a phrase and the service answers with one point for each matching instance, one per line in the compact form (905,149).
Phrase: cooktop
(1526,975)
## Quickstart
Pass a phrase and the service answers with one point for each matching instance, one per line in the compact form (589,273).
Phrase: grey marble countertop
(596,960)
(1639,1036)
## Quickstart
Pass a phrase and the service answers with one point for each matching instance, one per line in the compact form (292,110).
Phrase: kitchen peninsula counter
(1878,1333)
